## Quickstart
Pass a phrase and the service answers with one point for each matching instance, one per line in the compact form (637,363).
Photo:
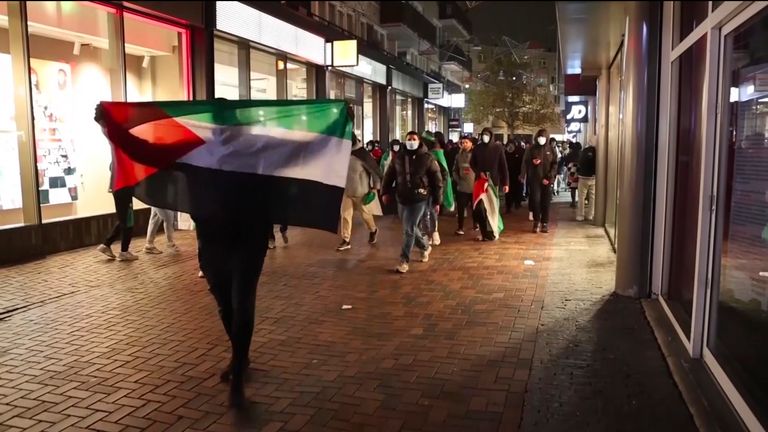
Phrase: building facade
(678,103)
(59,59)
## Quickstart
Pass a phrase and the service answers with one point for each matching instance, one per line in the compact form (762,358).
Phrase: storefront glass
(225,70)
(688,143)
(297,81)
(688,16)
(335,85)
(403,117)
(431,117)
(369,122)
(263,75)
(10,175)
(738,323)
(74,65)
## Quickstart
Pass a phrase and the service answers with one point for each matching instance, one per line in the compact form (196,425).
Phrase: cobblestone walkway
(88,344)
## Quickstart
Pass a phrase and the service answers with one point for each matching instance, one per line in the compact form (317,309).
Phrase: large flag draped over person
(487,212)
(203,157)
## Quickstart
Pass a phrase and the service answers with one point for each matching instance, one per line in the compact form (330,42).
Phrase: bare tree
(507,92)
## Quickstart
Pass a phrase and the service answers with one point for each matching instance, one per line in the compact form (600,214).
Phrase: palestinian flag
(448,201)
(220,158)
(486,207)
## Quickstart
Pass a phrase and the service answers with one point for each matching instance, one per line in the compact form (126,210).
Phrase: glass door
(738,316)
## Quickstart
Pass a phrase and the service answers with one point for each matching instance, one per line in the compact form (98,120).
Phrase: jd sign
(576,112)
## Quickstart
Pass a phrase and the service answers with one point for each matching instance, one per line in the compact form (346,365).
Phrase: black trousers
(283,230)
(464,202)
(515,194)
(124,228)
(231,255)
(541,197)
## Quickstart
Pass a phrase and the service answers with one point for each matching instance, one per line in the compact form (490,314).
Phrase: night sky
(522,21)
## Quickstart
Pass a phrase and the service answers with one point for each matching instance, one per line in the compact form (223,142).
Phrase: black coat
(489,158)
(515,162)
(424,181)
(546,169)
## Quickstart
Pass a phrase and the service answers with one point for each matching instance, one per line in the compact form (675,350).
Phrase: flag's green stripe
(327,117)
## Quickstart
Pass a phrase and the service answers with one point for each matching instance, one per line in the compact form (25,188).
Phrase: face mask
(541,140)
(412,145)
(486,139)
(396,148)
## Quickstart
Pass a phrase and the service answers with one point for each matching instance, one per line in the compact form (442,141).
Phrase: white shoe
(459,232)
(530,216)
(579,219)
(152,250)
(436,238)
(127,256)
(402,267)
(171,247)
(425,254)
(200,274)
(106,250)
(271,244)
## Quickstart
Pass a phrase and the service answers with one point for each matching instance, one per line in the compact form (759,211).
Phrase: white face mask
(486,139)
(396,148)
(541,140)
(412,145)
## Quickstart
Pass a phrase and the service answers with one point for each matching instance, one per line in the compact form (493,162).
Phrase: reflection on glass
(431,117)
(403,116)
(335,85)
(689,14)
(154,60)
(688,145)
(10,173)
(297,81)
(612,150)
(225,72)
(263,75)
(368,104)
(72,69)
(739,316)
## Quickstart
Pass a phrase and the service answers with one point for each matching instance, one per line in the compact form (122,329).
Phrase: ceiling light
(76,49)
(145,62)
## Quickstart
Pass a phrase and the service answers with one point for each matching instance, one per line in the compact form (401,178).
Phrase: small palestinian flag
(220,158)
(486,209)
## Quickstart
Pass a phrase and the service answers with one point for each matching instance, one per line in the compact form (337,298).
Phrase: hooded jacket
(414,176)
(363,174)
(546,169)
(489,158)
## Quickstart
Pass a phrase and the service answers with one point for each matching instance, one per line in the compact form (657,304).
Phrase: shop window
(263,75)
(688,147)
(369,122)
(155,60)
(225,70)
(10,172)
(74,64)
(335,85)
(688,16)
(297,81)
(403,116)
(738,323)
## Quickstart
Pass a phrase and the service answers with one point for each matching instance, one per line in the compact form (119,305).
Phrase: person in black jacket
(586,171)
(414,178)
(514,154)
(540,167)
(488,160)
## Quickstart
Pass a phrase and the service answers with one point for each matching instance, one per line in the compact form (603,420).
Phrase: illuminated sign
(576,112)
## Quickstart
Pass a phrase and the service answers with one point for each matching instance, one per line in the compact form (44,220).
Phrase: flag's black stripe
(222,195)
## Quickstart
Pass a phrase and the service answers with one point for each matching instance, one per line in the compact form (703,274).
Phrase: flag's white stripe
(270,151)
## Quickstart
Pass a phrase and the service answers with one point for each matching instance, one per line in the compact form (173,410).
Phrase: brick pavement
(597,365)
(88,344)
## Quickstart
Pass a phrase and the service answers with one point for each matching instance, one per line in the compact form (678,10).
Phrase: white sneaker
(460,232)
(127,256)
(171,247)
(271,244)
(425,254)
(436,238)
(530,216)
(151,249)
(579,219)
(200,274)
(106,250)
(402,267)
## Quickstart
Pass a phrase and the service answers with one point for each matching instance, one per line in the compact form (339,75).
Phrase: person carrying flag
(490,166)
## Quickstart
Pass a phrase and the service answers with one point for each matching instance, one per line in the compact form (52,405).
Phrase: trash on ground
(345,307)
(529,262)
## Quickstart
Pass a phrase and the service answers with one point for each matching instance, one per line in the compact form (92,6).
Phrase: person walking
(283,234)
(586,171)
(415,181)
(123,230)
(156,217)
(488,161)
(465,182)
(572,165)
(363,178)
(540,168)
(514,154)
(436,144)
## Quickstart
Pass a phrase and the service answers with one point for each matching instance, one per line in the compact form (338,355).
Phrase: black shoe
(373,236)
(285,237)
(544,228)
(237,397)
(535,227)
(226,374)
(573,205)
(344,246)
